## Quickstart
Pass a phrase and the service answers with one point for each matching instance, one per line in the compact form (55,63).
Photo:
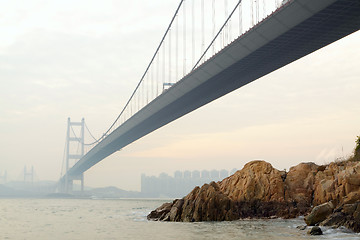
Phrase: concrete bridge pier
(66,185)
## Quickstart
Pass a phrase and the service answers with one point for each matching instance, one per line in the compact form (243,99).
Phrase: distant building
(178,174)
(214,174)
(179,185)
(187,174)
(195,174)
(224,173)
(205,174)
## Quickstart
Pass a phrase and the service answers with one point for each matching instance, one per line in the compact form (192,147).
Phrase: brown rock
(354,179)
(336,182)
(319,213)
(336,220)
(255,191)
(161,212)
(176,210)
(347,215)
(208,203)
(315,231)
(324,186)
(258,180)
(300,183)
(260,191)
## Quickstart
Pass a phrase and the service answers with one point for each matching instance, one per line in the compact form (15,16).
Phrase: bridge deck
(293,31)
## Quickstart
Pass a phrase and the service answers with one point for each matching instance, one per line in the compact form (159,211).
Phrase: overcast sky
(61,59)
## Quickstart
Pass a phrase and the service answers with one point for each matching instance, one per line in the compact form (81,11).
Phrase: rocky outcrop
(261,191)
(299,183)
(347,215)
(258,190)
(162,212)
(207,203)
(257,181)
(337,182)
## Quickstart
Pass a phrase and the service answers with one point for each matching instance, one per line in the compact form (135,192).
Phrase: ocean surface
(40,219)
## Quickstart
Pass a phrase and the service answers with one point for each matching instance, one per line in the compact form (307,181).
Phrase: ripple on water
(126,219)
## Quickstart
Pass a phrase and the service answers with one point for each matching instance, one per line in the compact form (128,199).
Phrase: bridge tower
(71,138)
(3,177)
(29,175)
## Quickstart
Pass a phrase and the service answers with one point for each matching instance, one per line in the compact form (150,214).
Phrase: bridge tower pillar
(70,138)
(3,177)
(29,175)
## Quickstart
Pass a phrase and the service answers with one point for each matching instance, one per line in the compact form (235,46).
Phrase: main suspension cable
(74,133)
(147,68)
(63,160)
(89,131)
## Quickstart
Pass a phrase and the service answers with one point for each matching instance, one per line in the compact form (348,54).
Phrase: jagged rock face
(299,183)
(208,203)
(161,212)
(258,180)
(336,182)
(347,215)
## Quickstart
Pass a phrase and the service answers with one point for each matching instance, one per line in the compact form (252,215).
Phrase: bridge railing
(198,30)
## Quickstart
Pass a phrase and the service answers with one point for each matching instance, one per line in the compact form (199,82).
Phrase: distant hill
(112,192)
(5,190)
(9,192)
(26,189)
(46,189)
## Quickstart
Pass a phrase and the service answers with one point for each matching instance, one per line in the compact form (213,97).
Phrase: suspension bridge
(209,49)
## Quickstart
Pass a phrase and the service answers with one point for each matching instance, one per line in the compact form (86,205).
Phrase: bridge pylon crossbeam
(67,184)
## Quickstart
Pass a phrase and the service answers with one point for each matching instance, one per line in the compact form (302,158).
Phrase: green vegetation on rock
(357,149)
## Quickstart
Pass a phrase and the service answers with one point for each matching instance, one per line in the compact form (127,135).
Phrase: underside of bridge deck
(328,25)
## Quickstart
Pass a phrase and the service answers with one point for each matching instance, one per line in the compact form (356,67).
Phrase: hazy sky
(61,59)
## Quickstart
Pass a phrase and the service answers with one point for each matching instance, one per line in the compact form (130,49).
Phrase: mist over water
(126,219)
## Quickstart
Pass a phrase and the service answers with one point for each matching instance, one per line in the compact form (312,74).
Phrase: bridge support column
(72,138)
(69,186)
(29,175)
(3,177)
(66,185)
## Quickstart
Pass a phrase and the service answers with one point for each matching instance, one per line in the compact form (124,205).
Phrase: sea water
(40,219)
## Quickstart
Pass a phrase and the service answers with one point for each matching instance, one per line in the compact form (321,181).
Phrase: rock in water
(319,213)
(347,215)
(315,231)
(302,227)
(208,203)
(160,212)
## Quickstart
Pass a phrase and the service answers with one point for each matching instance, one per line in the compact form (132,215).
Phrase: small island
(327,195)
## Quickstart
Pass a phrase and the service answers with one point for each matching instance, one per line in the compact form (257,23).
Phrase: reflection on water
(126,219)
